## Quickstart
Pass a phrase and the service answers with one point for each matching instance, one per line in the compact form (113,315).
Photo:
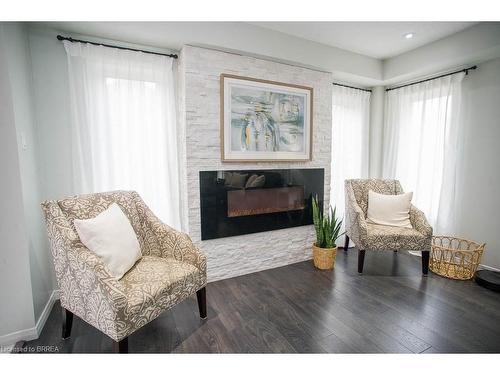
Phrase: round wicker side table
(455,258)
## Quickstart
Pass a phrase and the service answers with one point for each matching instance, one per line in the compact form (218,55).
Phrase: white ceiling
(361,53)
(380,40)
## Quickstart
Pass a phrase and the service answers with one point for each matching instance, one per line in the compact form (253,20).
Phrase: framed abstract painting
(265,120)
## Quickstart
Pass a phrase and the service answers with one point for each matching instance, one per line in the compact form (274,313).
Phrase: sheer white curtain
(422,144)
(124,125)
(350,142)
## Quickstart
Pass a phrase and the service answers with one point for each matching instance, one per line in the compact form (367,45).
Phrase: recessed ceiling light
(409,35)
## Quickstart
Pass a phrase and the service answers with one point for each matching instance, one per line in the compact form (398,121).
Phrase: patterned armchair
(170,270)
(368,236)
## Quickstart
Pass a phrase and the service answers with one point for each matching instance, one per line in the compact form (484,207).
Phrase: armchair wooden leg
(346,243)
(425,262)
(361,260)
(67,323)
(201,295)
(121,346)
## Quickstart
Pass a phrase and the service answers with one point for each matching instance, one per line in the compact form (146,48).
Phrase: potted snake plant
(327,229)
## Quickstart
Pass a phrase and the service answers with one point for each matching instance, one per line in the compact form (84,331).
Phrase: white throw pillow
(111,236)
(391,210)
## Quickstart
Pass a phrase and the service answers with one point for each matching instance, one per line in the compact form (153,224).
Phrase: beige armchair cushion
(385,237)
(153,282)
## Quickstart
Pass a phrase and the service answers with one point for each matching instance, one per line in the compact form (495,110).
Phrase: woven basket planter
(455,258)
(324,259)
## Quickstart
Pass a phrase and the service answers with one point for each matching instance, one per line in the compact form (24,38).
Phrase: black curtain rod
(351,87)
(60,37)
(466,71)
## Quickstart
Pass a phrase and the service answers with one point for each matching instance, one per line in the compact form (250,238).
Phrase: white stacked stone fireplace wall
(199,111)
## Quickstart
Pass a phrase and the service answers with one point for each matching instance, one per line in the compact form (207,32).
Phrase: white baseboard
(13,337)
(54,296)
(33,332)
(483,266)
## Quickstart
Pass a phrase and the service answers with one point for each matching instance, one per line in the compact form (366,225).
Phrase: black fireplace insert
(236,202)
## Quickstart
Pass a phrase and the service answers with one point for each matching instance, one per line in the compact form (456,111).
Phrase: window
(421,167)
(350,131)
(124,125)
(421,141)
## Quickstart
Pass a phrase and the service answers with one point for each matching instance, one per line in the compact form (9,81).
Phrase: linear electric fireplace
(239,202)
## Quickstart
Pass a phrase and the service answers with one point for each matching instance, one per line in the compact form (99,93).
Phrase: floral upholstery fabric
(382,237)
(171,268)
(385,237)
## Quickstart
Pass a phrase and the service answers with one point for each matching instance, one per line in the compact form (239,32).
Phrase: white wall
(16,312)
(200,70)
(42,275)
(479,185)
(52,113)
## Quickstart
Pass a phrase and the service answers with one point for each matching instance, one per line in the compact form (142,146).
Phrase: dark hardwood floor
(391,308)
